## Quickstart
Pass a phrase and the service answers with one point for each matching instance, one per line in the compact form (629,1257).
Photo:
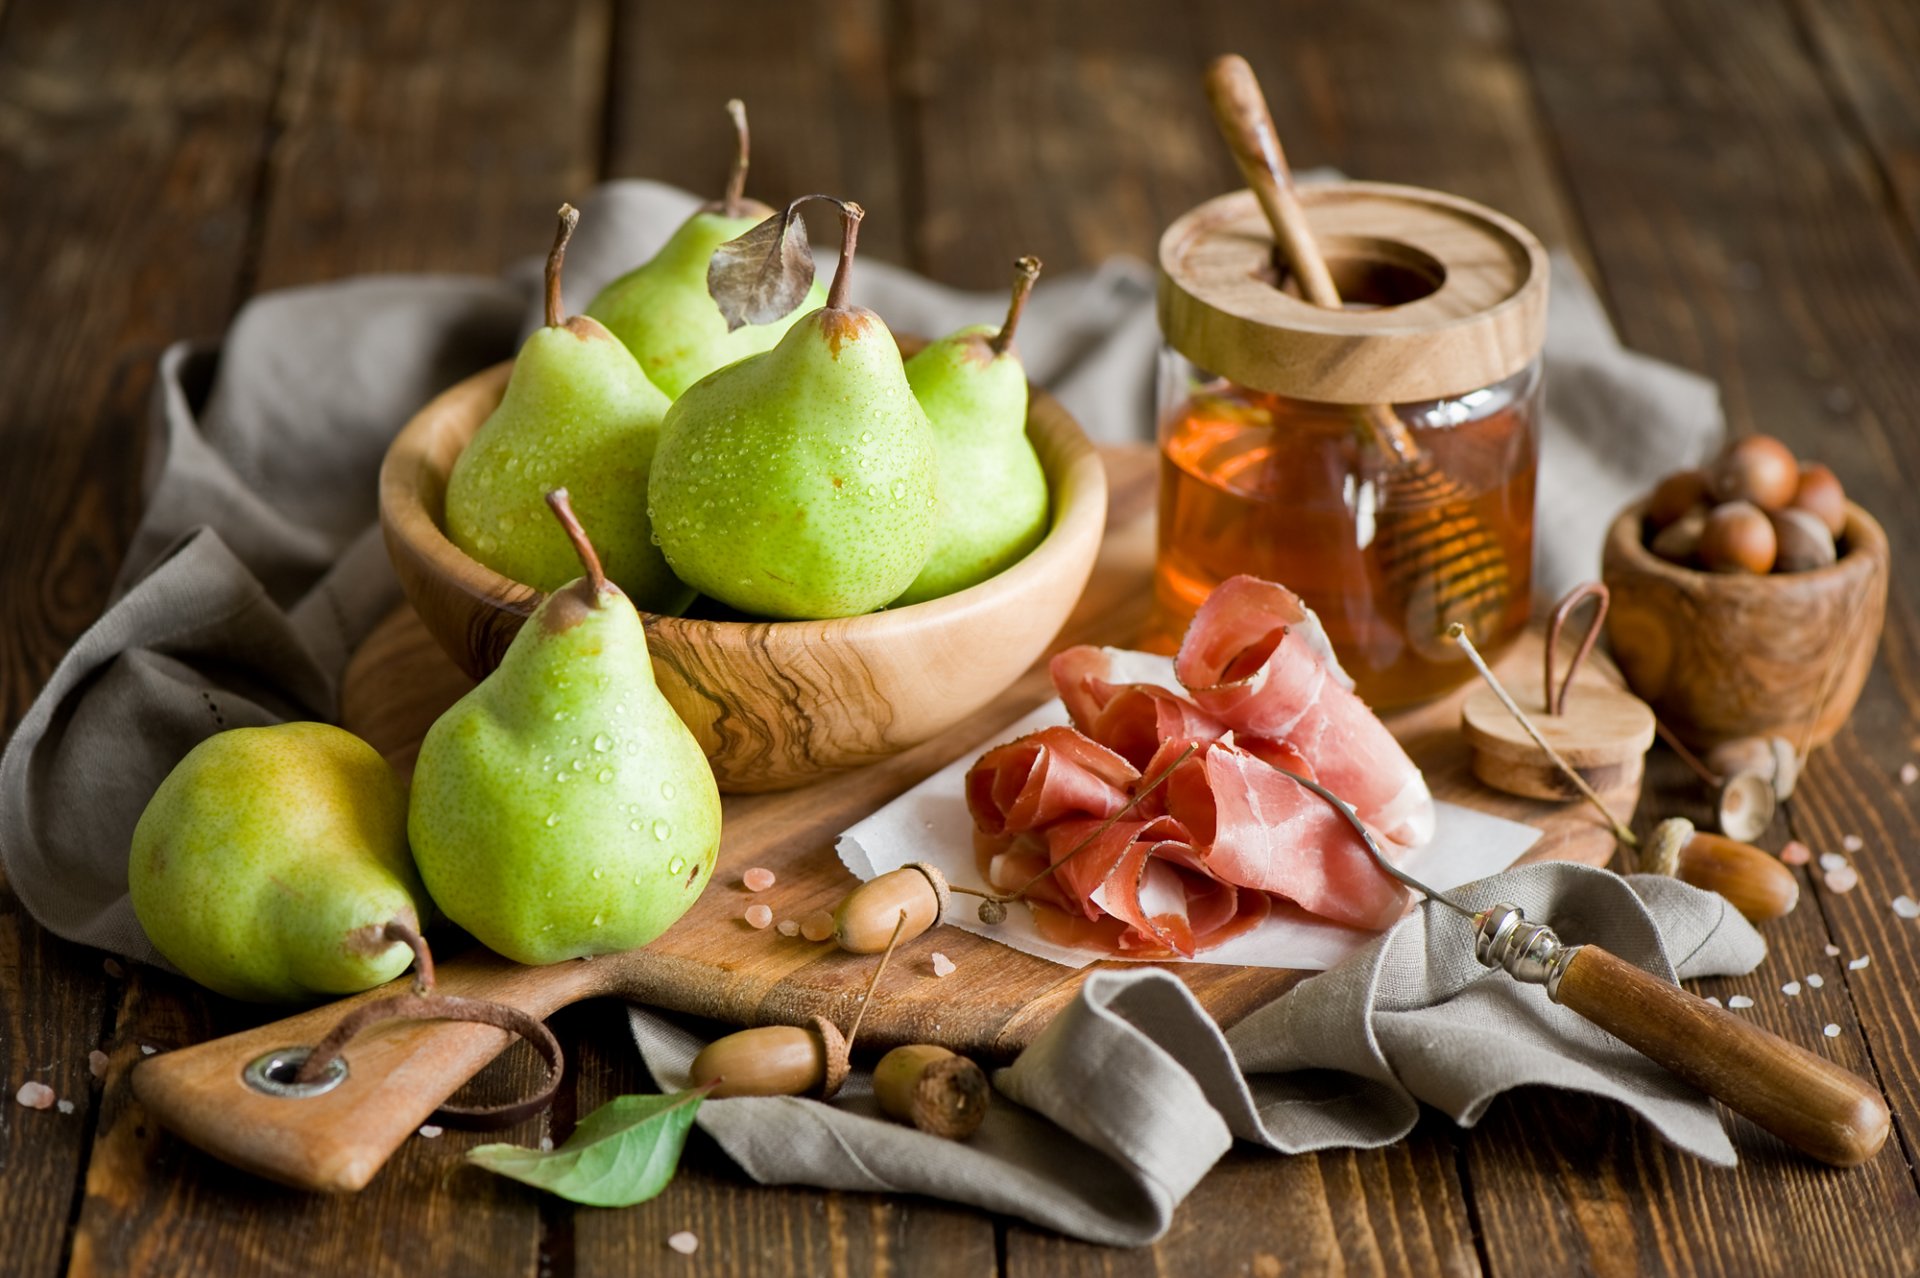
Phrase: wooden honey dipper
(1436,554)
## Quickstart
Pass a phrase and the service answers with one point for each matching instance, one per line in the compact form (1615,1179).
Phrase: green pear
(799,483)
(271,862)
(561,808)
(994,501)
(579,411)
(662,310)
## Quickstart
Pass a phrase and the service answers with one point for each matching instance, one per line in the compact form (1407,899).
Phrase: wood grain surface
(1741,179)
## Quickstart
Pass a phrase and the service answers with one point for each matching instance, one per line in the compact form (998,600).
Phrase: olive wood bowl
(774,704)
(1725,655)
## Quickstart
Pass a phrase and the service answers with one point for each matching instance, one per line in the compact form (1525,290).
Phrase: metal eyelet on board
(273,1073)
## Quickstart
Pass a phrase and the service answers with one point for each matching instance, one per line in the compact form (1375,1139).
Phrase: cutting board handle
(397,1073)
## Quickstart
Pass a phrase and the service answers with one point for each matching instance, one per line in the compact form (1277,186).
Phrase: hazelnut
(1819,492)
(1758,469)
(1738,538)
(1802,539)
(1679,541)
(1674,496)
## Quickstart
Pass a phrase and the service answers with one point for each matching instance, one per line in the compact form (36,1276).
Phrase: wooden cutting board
(712,963)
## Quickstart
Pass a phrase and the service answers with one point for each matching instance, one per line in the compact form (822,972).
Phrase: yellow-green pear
(799,482)
(561,808)
(993,494)
(662,310)
(272,862)
(577,411)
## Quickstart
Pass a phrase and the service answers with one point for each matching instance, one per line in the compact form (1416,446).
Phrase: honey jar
(1378,459)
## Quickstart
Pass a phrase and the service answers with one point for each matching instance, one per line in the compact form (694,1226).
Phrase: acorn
(1755,884)
(1674,496)
(1679,541)
(939,1092)
(866,918)
(775,1060)
(1819,493)
(1738,538)
(1757,469)
(1803,541)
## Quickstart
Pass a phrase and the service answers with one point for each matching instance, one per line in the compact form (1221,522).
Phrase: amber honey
(1297,493)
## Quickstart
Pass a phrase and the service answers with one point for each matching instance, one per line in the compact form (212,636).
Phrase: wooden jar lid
(1603,733)
(1483,320)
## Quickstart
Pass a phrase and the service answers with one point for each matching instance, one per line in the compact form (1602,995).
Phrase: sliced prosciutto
(1131,719)
(1044,777)
(1256,660)
(1258,828)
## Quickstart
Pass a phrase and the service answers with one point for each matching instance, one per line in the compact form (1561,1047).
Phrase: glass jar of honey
(1378,460)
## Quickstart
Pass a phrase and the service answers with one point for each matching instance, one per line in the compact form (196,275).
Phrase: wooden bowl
(774,704)
(1721,655)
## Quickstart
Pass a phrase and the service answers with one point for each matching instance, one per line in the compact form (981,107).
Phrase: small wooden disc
(1604,734)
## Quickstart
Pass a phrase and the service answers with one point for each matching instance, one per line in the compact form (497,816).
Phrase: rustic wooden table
(1741,177)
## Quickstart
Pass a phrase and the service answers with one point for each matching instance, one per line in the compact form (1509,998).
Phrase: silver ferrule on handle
(1528,952)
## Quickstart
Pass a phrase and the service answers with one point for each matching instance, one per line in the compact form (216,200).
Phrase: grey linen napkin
(256,569)
(1132,1092)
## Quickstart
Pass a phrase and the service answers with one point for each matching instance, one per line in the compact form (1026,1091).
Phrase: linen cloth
(256,568)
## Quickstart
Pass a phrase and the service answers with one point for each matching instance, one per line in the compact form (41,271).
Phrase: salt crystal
(97,1063)
(1844,879)
(788,927)
(1739,1002)
(148,1049)
(1909,773)
(1791,989)
(1815,980)
(1831,1031)
(1832,861)
(112,968)
(757,879)
(64,1106)
(1906,907)
(1715,1000)
(758,916)
(817,926)
(684,1242)
(546,1144)
(1796,853)
(1852,842)
(1860,962)
(34,1095)
(1833,951)
(942,965)
(430,1131)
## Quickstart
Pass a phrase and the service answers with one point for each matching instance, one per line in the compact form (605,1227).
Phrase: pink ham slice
(1258,828)
(1255,660)
(1131,719)
(1040,778)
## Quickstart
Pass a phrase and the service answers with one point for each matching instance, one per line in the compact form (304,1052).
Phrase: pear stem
(737,180)
(563,511)
(569,218)
(1026,271)
(850,215)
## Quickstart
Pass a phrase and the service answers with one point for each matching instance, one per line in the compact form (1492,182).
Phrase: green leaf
(623,1153)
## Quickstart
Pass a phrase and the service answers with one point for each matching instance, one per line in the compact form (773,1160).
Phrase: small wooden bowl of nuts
(1748,598)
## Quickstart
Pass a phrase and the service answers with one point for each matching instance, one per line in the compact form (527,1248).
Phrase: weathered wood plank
(407,138)
(1867,48)
(1739,226)
(130,141)
(818,84)
(430,137)
(1399,1210)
